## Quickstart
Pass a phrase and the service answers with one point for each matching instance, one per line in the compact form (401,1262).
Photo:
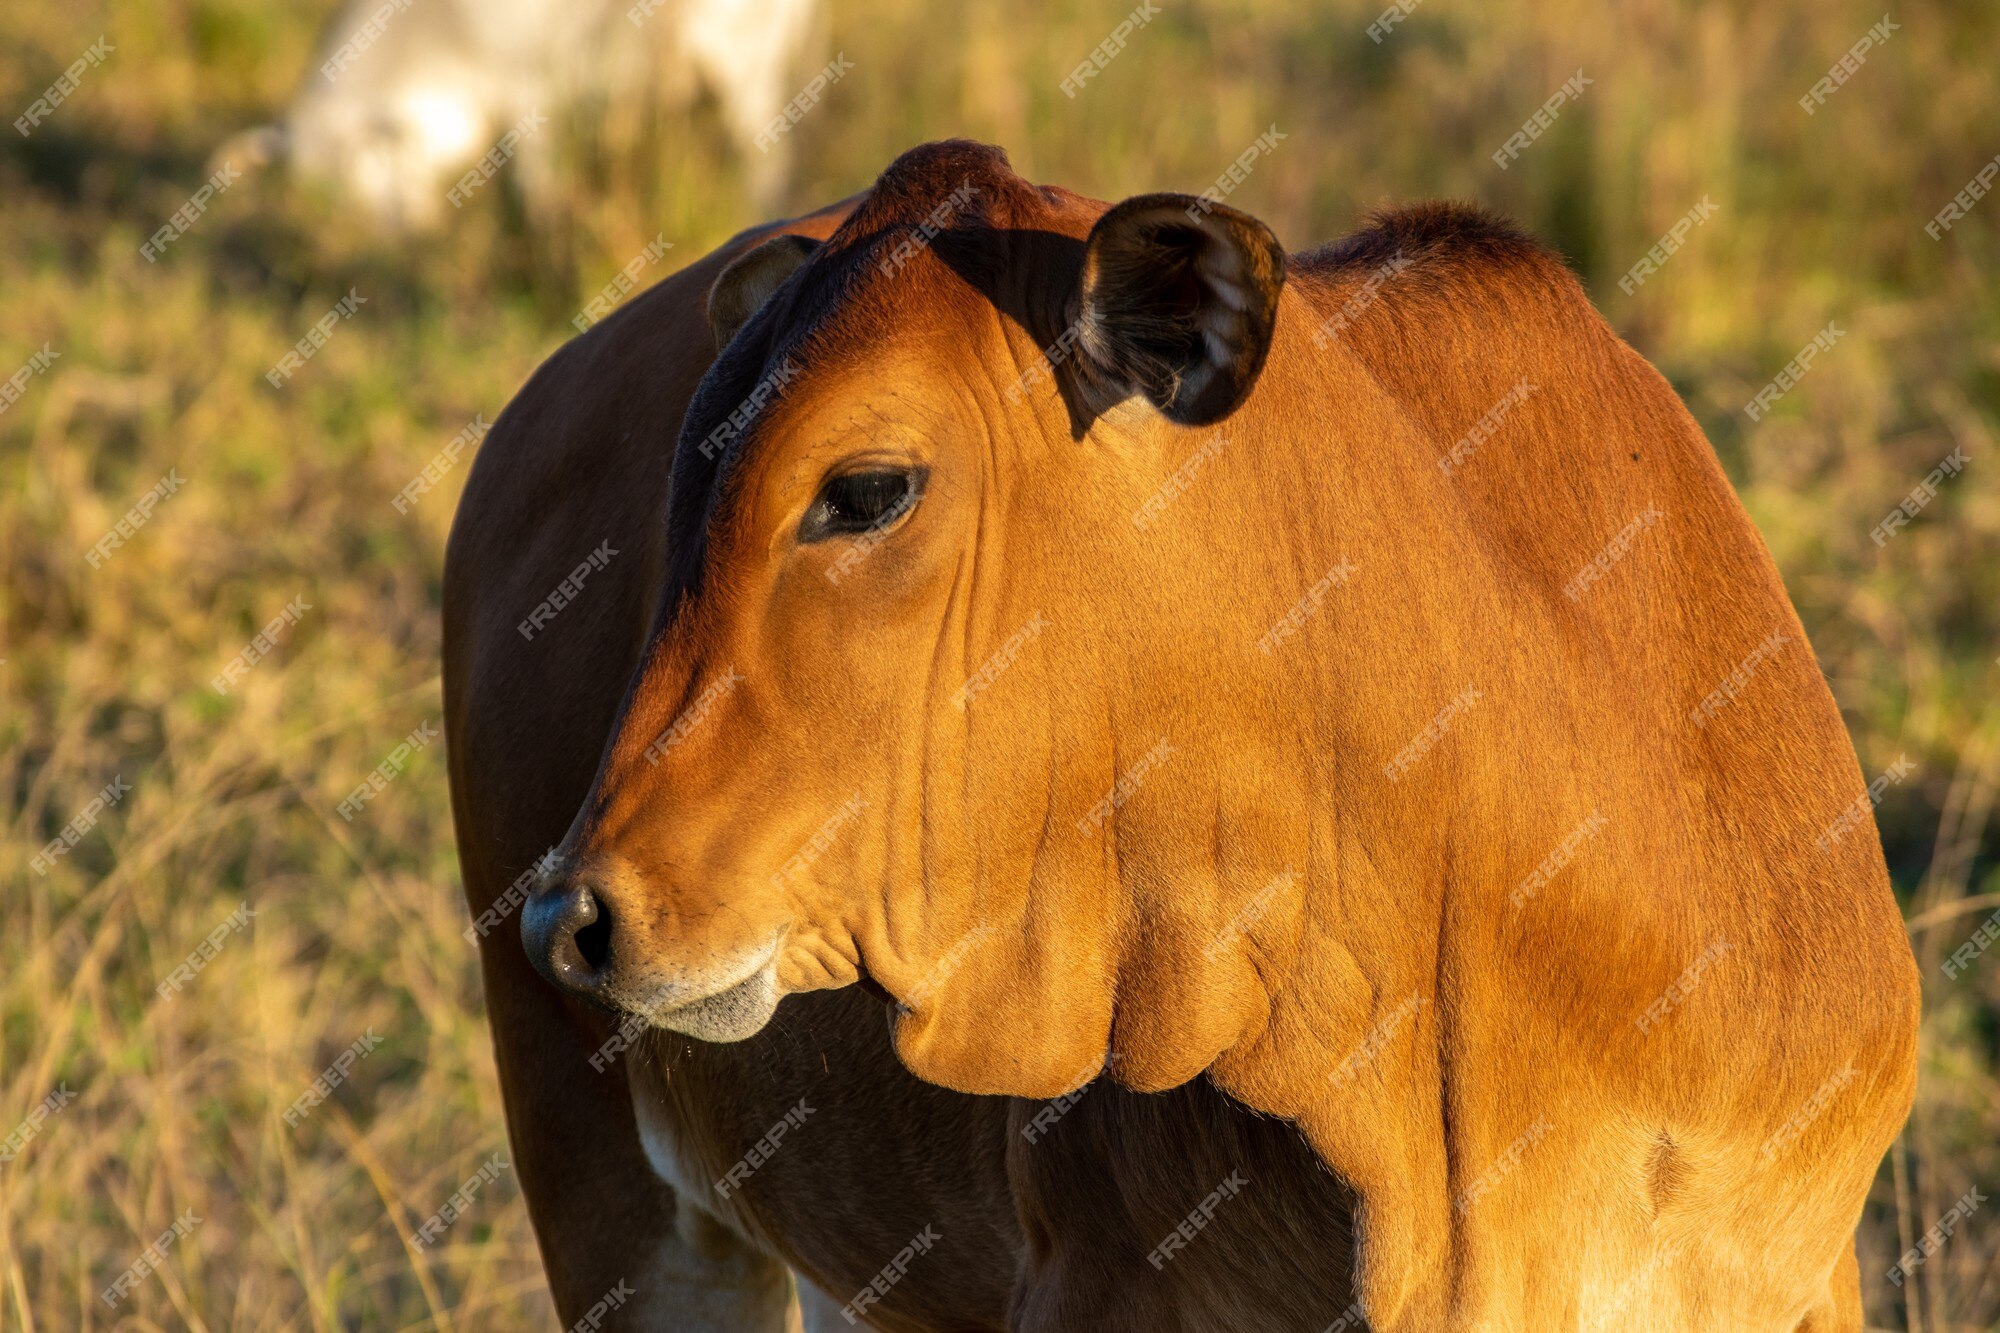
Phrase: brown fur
(1636,1192)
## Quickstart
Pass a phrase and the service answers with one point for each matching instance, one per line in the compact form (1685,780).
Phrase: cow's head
(945,692)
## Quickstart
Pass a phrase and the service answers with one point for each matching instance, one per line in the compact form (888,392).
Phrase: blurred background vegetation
(287,492)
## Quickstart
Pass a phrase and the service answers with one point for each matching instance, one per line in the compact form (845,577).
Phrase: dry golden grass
(179,1102)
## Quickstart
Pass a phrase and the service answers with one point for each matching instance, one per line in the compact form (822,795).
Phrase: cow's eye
(857,502)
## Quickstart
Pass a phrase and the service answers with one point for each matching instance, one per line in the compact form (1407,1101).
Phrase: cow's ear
(749,281)
(1177,301)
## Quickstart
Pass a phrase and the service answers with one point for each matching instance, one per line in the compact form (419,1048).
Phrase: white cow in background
(406,96)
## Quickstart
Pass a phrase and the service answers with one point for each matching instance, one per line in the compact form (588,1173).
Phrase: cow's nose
(567,932)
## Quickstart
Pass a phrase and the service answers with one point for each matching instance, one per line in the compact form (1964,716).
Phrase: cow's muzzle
(572,934)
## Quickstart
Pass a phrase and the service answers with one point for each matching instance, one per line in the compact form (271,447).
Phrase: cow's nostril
(593,941)
(568,936)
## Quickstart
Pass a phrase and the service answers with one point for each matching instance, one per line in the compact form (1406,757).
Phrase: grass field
(165,1106)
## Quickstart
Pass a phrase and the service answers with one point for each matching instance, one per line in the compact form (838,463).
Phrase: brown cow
(1338,688)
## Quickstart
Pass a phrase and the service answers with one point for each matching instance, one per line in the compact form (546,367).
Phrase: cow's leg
(609,1226)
